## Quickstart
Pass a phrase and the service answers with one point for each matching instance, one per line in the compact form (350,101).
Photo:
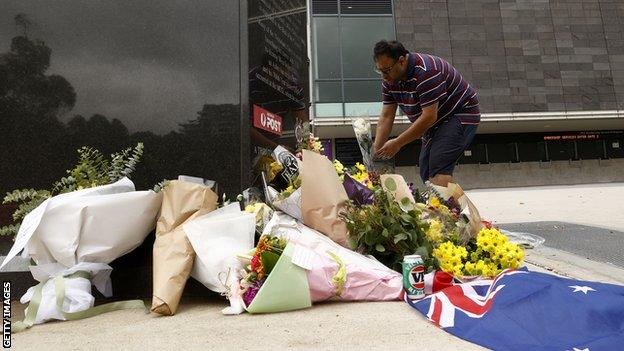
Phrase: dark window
(348,151)
(408,155)
(322,7)
(532,151)
(590,149)
(327,92)
(502,153)
(560,150)
(342,47)
(366,7)
(326,48)
(476,153)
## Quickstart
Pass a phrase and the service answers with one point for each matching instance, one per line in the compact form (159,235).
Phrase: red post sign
(266,120)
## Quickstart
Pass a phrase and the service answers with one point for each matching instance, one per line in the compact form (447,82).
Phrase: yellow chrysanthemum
(434,234)
(435,202)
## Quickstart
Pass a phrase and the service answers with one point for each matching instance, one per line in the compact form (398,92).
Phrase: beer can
(414,277)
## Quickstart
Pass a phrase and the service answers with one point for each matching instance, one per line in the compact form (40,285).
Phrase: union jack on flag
(524,310)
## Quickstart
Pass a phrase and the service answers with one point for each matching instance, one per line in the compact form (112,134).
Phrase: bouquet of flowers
(173,255)
(486,256)
(295,265)
(394,225)
(313,144)
(314,196)
(273,283)
(217,238)
(363,134)
(73,237)
(334,271)
(388,230)
(445,221)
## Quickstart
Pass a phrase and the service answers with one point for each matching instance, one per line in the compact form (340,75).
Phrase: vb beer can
(414,277)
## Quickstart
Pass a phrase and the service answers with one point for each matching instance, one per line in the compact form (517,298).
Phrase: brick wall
(525,55)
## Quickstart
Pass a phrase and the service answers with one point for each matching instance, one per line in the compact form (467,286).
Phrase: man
(441,105)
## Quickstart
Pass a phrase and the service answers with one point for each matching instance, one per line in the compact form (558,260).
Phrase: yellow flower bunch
(318,146)
(314,144)
(451,257)
(500,250)
(293,184)
(439,206)
(361,175)
(494,253)
(485,268)
(274,168)
(339,169)
(434,233)
(434,202)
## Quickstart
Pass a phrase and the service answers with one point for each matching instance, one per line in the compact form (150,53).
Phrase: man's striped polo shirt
(432,79)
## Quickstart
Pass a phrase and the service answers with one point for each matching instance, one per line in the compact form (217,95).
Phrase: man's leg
(441,179)
(447,146)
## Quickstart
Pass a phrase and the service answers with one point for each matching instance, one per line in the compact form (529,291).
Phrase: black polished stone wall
(181,77)
(525,55)
(172,75)
(279,69)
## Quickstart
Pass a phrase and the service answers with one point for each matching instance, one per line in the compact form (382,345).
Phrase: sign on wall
(266,120)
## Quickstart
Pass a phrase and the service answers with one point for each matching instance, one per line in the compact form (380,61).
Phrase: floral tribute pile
(389,224)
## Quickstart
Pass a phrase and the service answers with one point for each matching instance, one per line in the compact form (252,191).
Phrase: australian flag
(523,310)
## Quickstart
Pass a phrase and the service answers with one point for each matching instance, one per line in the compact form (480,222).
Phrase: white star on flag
(585,349)
(584,289)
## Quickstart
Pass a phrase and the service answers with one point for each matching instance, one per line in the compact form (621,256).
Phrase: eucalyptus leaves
(93,169)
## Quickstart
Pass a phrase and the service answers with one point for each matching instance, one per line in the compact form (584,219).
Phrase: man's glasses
(385,70)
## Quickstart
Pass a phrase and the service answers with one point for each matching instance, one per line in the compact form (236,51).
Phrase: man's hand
(415,131)
(384,125)
(389,149)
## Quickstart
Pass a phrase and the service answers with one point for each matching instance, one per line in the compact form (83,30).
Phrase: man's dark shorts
(442,145)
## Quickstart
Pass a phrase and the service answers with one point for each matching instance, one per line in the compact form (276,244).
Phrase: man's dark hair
(392,49)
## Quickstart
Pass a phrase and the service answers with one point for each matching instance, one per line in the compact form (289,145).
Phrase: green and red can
(414,277)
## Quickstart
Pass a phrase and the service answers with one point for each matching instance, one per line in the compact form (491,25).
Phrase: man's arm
(415,131)
(384,125)
(420,126)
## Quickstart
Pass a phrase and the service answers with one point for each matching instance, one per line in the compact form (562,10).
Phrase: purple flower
(251,292)
(357,192)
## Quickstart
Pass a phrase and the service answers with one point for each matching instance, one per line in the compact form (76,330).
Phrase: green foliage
(387,231)
(9,230)
(124,163)
(24,195)
(161,185)
(93,169)
(28,200)
(269,260)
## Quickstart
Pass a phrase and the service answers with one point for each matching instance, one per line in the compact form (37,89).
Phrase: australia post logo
(266,120)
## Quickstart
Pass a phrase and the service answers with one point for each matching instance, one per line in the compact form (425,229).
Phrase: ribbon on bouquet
(59,287)
(340,278)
